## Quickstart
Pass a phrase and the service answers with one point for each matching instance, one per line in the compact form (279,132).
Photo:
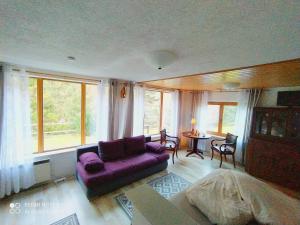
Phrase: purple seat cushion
(93,179)
(142,161)
(111,150)
(155,147)
(91,161)
(119,168)
(163,156)
(134,145)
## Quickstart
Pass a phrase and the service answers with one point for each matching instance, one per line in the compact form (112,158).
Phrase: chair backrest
(230,138)
(163,136)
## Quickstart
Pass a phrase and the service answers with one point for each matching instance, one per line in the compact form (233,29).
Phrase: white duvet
(229,197)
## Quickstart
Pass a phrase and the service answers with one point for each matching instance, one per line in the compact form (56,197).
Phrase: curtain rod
(60,77)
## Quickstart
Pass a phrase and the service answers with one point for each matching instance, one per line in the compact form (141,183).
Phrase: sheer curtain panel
(248,99)
(102,117)
(138,110)
(16,146)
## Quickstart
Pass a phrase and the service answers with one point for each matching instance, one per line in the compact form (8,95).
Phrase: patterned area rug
(167,186)
(69,220)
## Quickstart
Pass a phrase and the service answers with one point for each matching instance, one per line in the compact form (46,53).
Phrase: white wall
(63,164)
(269,96)
(222,96)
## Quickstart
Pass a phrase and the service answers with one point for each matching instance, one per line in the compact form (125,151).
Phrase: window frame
(40,112)
(161,107)
(221,114)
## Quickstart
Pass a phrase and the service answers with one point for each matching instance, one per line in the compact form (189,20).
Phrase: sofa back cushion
(91,162)
(111,150)
(155,147)
(134,145)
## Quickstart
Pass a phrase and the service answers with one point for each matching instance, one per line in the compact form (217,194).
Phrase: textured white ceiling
(111,38)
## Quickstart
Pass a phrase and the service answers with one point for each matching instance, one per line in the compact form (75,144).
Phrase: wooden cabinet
(273,151)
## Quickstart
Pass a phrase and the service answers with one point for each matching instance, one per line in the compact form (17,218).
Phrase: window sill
(55,152)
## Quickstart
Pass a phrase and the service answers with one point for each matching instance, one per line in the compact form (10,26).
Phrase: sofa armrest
(146,202)
(87,148)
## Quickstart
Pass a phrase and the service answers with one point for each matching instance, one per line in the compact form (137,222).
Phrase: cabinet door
(294,124)
(262,120)
(279,123)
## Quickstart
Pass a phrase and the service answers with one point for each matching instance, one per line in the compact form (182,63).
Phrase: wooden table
(195,139)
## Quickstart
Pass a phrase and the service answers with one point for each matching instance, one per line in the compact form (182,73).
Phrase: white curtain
(199,109)
(185,115)
(138,110)
(175,113)
(248,99)
(200,102)
(102,117)
(16,146)
(121,110)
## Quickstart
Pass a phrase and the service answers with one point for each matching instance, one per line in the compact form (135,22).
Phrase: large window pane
(33,112)
(167,111)
(90,119)
(228,119)
(152,112)
(62,113)
(213,117)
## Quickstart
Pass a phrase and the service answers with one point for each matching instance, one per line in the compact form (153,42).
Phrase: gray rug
(69,220)
(167,186)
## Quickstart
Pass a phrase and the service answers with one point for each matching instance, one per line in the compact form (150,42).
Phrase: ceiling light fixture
(161,58)
(71,58)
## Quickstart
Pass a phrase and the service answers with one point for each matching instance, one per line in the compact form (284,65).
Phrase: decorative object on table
(193,122)
(69,220)
(170,142)
(227,148)
(167,186)
(195,139)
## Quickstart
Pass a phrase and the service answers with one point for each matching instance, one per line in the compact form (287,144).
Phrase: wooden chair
(228,148)
(170,142)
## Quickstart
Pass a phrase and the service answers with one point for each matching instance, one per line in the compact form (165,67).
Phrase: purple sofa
(107,166)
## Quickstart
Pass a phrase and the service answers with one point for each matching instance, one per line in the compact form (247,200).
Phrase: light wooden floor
(67,198)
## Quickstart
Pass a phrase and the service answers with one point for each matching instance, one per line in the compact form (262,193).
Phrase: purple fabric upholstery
(111,150)
(155,147)
(119,168)
(134,145)
(93,179)
(118,171)
(91,161)
(141,161)
(160,157)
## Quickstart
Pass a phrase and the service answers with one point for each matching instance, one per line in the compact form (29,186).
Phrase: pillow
(111,150)
(155,147)
(91,162)
(218,197)
(134,145)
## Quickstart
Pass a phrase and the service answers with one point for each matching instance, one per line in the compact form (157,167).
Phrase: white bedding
(229,197)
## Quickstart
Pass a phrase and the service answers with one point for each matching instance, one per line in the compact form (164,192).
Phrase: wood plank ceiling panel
(280,74)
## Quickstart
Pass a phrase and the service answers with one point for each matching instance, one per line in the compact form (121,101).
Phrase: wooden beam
(83,113)
(161,109)
(40,105)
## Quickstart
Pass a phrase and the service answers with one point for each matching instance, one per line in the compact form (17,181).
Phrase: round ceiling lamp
(161,58)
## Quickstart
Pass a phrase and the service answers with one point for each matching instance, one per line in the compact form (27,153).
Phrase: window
(62,113)
(167,111)
(152,107)
(221,117)
(158,108)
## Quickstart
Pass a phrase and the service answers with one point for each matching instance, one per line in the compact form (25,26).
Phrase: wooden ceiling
(279,74)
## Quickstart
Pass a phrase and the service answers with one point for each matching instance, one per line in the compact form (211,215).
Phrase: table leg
(195,150)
